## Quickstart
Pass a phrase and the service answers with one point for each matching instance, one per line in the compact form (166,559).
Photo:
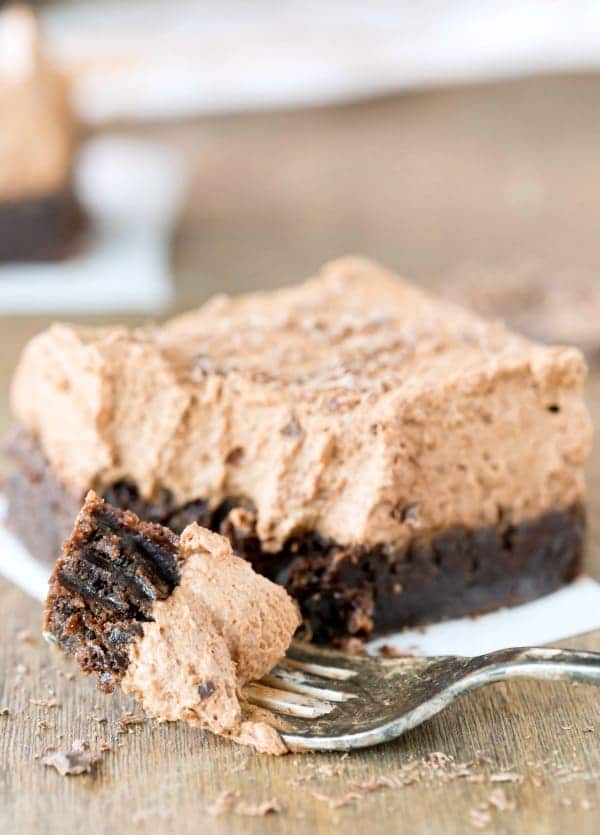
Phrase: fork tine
(285,702)
(298,659)
(294,682)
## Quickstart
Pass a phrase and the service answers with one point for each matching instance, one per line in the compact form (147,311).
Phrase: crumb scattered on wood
(480,818)
(336,802)
(437,759)
(76,760)
(506,777)
(221,804)
(330,769)
(267,807)
(4,711)
(47,703)
(70,676)
(129,720)
(42,725)
(25,636)
(387,781)
(104,745)
(537,781)
(500,801)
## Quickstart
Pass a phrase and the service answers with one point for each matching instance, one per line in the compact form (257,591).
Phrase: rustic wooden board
(163,779)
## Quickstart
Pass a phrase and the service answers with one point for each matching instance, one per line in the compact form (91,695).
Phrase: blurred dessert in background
(39,214)
(549,306)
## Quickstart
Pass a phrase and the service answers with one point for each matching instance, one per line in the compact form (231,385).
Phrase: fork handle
(539,662)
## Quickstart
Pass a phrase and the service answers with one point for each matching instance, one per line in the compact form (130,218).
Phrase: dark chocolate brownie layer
(342,590)
(112,569)
(39,228)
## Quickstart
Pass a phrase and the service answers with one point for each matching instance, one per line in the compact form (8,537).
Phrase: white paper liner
(132,192)
(570,611)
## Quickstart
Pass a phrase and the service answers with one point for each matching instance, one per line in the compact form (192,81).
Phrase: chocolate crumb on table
(221,804)
(267,807)
(74,761)
(128,721)
(500,801)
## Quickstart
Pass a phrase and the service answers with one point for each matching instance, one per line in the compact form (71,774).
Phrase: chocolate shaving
(129,720)
(221,804)
(500,801)
(292,429)
(49,703)
(267,807)
(336,802)
(506,777)
(480,818)
(76,760)
(206,689)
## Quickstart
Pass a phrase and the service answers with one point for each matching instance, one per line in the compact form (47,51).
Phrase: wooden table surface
(425,182)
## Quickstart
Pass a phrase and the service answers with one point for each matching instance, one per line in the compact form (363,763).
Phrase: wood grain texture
(387,179)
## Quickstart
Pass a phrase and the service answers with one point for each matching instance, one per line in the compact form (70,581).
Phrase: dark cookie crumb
(74,761)
(206,689)
(103,587)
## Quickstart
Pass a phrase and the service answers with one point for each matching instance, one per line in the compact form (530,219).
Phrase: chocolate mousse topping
(409,415)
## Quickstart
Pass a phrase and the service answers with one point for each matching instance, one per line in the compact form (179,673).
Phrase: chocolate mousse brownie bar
(390,458)
(179,623)
(39,215)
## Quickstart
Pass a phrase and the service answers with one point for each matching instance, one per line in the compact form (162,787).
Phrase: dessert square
(39,215)
(390,458)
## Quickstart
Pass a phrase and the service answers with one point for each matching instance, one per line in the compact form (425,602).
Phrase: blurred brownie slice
(39,215)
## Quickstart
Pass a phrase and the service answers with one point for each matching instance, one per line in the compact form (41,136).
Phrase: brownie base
(342,591)
(40,228)
(112,570)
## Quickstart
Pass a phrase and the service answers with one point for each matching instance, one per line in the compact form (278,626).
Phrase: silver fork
(330,701)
